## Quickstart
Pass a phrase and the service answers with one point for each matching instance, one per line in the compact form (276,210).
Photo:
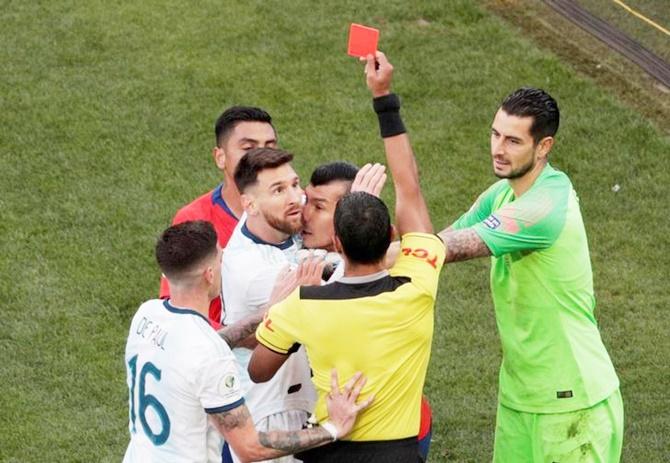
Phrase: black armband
(387,108)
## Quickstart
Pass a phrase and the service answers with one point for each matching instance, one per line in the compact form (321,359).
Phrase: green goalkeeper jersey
(553,357)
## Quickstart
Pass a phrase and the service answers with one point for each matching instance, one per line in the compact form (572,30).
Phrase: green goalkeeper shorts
(590,435)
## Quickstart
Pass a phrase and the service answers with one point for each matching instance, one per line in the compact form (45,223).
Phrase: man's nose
(497,146)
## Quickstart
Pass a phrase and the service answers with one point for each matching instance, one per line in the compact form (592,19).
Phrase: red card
(362,40)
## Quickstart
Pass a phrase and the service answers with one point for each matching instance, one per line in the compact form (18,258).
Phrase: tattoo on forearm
(238,331)
(235,418)
(463,244)
(294,441)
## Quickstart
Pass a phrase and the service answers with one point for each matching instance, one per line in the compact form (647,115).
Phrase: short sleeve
(480,209)
(534,221)
(276,331)
(421,258)
(218,384)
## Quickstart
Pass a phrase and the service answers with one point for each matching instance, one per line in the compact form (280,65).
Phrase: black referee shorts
(385,451)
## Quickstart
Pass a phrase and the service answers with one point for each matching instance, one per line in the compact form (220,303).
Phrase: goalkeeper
(559,396)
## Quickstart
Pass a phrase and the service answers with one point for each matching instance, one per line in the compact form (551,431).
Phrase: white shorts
(290,420)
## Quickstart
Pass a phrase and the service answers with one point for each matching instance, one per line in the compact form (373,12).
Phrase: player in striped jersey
(180,373)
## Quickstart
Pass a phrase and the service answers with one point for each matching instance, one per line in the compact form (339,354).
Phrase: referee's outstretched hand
(378,74)
(342,406)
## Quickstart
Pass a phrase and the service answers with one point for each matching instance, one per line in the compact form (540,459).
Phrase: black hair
(333,171)
(363,225)
(535,103)
(235,114)
(183,246)
(256,160)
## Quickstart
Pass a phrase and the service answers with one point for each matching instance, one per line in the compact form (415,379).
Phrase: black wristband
(387,108)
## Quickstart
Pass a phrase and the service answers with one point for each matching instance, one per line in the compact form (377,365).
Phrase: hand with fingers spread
(310,269)
(370,179)
(378,74)
(286,282)
(342,406)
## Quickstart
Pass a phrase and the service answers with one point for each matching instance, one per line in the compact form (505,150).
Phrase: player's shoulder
(195,335)
(251,252)
(492,194)
(242,255)
(152,307)
(553,178)
(198,209)
(496,189)
(238,242)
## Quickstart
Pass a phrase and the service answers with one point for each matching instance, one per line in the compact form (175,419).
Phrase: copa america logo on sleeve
(492,222)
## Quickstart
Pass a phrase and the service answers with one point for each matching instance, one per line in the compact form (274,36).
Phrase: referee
(373,320)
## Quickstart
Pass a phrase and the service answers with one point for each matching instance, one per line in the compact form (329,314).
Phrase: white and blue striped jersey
(249,271)
(178,371)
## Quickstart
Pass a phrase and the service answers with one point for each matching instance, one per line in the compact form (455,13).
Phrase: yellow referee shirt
(380,324)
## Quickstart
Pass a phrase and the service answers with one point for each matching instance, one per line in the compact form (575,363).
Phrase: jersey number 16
(145,401)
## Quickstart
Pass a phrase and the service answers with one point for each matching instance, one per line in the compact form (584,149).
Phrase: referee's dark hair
(363,225)
(234,115)
(332,172)
(535,103)
(256,160)
(183,246)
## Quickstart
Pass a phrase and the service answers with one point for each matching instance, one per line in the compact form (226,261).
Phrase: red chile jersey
(212,208)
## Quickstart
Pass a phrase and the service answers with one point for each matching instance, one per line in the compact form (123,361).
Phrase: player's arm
(237,334)
(463,244)
(238,429)
(411,210)
(264,363)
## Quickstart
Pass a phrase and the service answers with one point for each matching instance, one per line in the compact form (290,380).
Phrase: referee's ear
(337,244)
(393,233)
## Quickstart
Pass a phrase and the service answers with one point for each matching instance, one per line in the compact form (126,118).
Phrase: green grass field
(106,129)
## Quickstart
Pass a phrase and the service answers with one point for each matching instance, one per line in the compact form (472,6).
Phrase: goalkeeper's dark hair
(182,247)
(535,103)
(233,116)
(332,172)
(363,225)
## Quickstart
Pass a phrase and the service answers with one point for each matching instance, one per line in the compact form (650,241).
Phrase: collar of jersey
(283,245)
(364,278)
(548,170)
(217,199)
(174,309)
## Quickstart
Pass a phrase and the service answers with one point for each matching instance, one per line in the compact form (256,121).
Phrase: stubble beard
(518,172)
(283,225)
